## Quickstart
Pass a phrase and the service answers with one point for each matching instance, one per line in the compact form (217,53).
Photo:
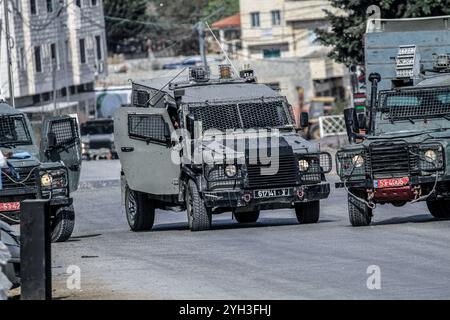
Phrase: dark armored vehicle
(97,139)
(212,146)
(49,172)
(405,156)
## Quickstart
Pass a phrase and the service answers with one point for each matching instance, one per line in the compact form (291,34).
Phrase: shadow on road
(229,224)
(421,218)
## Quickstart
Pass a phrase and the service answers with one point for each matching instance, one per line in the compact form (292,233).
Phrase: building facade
(283,32)
(58,49)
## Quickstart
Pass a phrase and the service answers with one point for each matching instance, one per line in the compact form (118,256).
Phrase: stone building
(58,48)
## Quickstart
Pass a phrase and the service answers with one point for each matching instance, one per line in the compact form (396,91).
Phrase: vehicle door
(61,142)
(143,141)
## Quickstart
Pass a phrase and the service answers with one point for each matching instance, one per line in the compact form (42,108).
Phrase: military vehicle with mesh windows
(197,143)
(29,172)
(404,157)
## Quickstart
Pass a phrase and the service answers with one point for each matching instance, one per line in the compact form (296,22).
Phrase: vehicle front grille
(390,160)
(20,180)
(285,176)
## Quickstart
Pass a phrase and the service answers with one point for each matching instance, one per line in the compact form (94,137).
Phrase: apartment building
(285,30)
(58,49)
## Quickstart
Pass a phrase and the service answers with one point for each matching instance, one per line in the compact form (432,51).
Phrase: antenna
(221,48)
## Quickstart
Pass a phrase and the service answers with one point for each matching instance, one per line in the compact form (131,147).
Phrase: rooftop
(233,21)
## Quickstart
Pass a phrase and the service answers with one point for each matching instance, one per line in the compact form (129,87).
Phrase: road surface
(273,259)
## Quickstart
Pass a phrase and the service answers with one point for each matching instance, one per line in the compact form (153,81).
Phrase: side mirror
(304,120)
(362,121)
(349,123)
(51,140)
(190,125)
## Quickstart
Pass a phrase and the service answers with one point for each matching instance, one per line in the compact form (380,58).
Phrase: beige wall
(298,40)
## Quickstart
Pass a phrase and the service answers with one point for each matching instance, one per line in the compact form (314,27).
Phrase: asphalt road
(273,259)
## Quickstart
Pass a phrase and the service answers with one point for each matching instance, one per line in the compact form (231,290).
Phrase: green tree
(347,30)
(224,8)
(121,17)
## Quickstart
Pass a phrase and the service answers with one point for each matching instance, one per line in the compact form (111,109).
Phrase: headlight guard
(351,164)
(431,157)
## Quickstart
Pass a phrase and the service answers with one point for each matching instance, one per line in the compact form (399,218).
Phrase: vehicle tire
(199,217)
(359,213)
(140,210)
(308,212)
(62,224)
(439,208)
(247,217)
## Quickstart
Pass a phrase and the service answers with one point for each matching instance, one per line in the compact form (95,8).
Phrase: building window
(82,50)
(78,3)
(276,17)
(68,51)
(98,43)
(271,53)
(255,21)
(94,3)
(18,5)
(33,7)
(54,54)
(38,58)
(49,6)
(22,59)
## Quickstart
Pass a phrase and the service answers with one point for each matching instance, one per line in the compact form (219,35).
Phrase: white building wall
(43,29)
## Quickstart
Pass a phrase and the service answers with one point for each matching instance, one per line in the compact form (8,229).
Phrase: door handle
(127,149)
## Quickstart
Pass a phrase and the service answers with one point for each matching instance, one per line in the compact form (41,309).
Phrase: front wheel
(199,217)
(308,213)
(62,224)
(247,217)
(140,210)
(359,212)
(439,208)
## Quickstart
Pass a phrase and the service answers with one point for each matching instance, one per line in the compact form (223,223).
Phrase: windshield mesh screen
(65,130)
(272,113)
(13,130)
(415,103)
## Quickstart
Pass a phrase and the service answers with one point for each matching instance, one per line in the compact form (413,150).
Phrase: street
(273,259)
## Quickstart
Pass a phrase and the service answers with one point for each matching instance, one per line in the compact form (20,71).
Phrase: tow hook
(417,190)
(370,197)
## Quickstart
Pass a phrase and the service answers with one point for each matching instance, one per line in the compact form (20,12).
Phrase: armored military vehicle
(199,143)
(404,157)
(29,172)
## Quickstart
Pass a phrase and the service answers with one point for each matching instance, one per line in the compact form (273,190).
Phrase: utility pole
(201,38)
(8,52)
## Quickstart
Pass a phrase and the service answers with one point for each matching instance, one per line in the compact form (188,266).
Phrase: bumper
(15,215)
(246,199)
(413,181)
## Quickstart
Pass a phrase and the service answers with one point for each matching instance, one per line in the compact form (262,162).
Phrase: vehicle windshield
(14,131)
(415,103)
(266,114)
(94,128)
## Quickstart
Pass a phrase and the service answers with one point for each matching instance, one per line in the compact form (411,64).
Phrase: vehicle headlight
(231,171)
(358,161)
(430,156)
(303,165)
(46,180)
